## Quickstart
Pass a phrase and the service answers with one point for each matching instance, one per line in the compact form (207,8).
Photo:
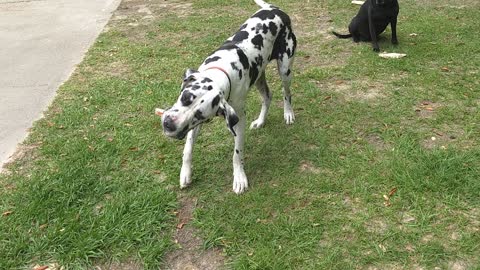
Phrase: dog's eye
(187,98)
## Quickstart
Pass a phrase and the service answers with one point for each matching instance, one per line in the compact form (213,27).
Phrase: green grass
(101,182)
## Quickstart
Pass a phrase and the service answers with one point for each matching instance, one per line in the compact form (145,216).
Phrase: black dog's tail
(341,36)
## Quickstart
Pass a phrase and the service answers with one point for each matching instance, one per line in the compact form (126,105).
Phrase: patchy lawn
(380,171)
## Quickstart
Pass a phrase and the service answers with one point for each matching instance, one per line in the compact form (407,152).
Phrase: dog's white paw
(257,124)
(185,178)
(240,182)
(289,117)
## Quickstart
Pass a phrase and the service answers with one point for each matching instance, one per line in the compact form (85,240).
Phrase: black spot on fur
(232,121)
(209,87)
(273,28)
(205,80)
(288,72)
(264,15)
(243,58)
(215,101)
(253,73)
(285,33)
(240,36)
(187,98)
(289,99)
(265,28)
(258,42)
(196,87)
(236,151)
(199,115)
(234,67)
(254,69)
(212,59)
(228,45)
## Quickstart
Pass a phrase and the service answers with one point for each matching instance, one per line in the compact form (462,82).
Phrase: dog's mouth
(178,135)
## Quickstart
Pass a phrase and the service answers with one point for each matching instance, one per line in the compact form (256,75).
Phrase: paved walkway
(41,42)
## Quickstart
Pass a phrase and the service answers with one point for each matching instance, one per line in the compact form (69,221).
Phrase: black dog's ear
(230,115)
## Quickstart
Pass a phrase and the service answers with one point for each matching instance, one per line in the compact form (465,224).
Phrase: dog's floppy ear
(188,74)
(230,115)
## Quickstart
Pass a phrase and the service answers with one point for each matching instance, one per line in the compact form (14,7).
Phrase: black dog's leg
(393,25)
(373,34)
(356,37)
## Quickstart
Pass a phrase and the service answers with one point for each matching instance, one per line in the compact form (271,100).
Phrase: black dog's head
(384,2)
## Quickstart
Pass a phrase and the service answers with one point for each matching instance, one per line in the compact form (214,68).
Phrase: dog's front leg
(393,25)
(186,171)
(240,182)
(373,33)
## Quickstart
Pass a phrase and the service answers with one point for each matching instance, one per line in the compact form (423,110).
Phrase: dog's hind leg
(284,69)
(262,87)
(373,33)
(393,25)
(186,171)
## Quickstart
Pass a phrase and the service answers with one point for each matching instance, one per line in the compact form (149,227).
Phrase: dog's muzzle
(169,124)
(171,129)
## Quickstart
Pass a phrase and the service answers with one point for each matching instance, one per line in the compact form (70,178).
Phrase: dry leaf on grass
(392,192)
(7,213)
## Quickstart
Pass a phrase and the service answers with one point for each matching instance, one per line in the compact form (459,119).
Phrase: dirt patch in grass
(427,109)
(24,154)
(190,253)
(312,26)
(135,18)
(376,225)
(364,91)
(377,142)
(309,167)
(458,265)
(145,10)
(454,4)
(355,205)
(447,136)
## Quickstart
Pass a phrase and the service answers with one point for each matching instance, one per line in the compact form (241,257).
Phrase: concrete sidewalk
(41,42)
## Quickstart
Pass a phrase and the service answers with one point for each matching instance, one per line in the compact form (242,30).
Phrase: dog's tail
(262,4)
(341,36)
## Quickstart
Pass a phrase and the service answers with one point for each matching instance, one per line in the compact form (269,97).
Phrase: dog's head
(200,100)
(384,2)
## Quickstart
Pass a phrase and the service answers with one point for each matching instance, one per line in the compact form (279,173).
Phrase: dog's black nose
(168,124)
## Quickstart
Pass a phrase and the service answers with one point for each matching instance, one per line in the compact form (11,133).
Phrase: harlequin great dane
(220,85)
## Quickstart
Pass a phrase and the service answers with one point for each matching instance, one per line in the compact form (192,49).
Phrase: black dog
(372,19)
